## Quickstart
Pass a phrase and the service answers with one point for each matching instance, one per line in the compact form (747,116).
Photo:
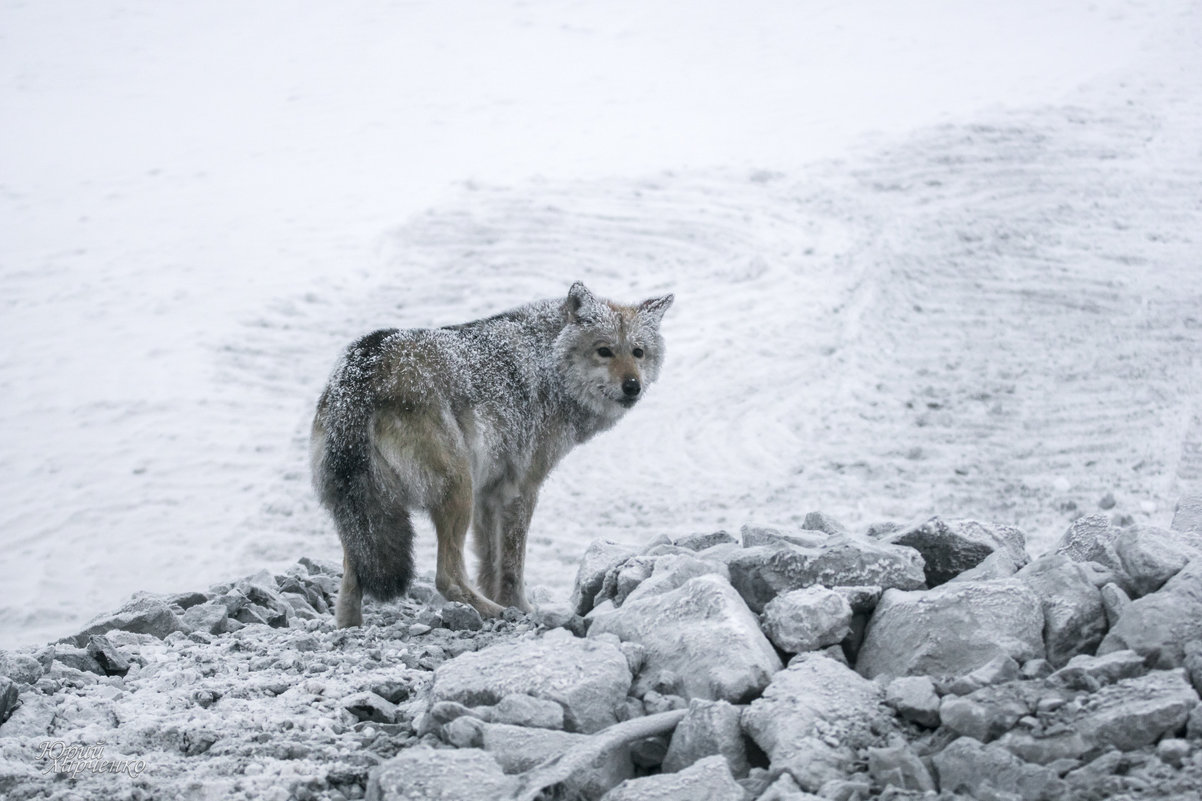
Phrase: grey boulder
(701,632)
(1136,712)
(983,771)
(598,559)
(426,774)
(518,749)
(1091,539)
(1159,625)
(807,619)
(706,780)
(709,728)
(952,629)
(1074,615)
(589,679)
(914,699)
(949,547)
(142,615)
(813,718)
(764,572)
(1151,556)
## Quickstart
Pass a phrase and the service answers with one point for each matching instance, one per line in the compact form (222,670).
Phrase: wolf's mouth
(627,403)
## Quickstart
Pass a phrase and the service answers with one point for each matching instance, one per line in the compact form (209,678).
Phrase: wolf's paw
(487,608)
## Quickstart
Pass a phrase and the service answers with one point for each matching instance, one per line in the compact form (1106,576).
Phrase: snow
(933,257)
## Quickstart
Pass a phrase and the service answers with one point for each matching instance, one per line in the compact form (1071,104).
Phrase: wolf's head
(608,353)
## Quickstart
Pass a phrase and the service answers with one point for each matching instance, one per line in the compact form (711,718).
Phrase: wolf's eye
(638,353)
(605,353)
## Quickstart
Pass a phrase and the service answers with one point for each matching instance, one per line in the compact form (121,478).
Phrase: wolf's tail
(375,529)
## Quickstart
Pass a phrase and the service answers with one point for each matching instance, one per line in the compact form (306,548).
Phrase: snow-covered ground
(929,257)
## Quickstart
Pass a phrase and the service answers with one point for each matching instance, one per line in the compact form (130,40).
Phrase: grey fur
(466,422)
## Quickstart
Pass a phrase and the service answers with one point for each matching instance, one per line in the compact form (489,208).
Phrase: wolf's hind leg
(451,518)
(348,610)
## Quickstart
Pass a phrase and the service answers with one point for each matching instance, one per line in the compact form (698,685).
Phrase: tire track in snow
(995,321)
(1037,287)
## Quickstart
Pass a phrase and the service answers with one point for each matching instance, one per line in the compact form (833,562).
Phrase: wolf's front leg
(511,565)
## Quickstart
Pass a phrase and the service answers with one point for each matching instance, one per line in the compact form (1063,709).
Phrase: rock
(755,536)
(762,573)
(655,702)
(997,565)
(699,542)
(807,619)
(987,713)
(1073,613)
(600,556)
(1173,751)
(1091,672)
(813,718)
(1038,668)
(998,670)
(523,710)
(1134,712)
(952,629)
(211,617)
(1090,539)
(1151,556)
(710,728)
(706,780)
(1061,746)
(1193,664)
(820,521)
(21,668)
(1159,625)
(261,591)
(703,633)
(464,732)
(1115,601)
(671,571)
(394,692)
(649,752)
(142,615)
(1193,727)
(966,766)
(78,659)
(111,661)
(785,789)
(950,547)
(589,679)
(460,617)
(8,698)
(860,598)
(370,707)
(555,616)
(424,774)
(1187,517)
(914,698)
(898,766)
(518,749)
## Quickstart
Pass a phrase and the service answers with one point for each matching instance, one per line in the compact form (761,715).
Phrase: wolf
(465,422)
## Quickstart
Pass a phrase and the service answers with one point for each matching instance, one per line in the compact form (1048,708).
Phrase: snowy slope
(933,259)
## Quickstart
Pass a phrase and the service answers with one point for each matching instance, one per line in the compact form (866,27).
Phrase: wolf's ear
(579,301)
(653,308)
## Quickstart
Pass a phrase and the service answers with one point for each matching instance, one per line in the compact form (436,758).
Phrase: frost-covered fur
(466,422)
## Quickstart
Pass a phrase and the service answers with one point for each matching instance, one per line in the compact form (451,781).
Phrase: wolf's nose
(631,387)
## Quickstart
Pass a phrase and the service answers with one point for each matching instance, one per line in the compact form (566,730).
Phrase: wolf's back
(376,533)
